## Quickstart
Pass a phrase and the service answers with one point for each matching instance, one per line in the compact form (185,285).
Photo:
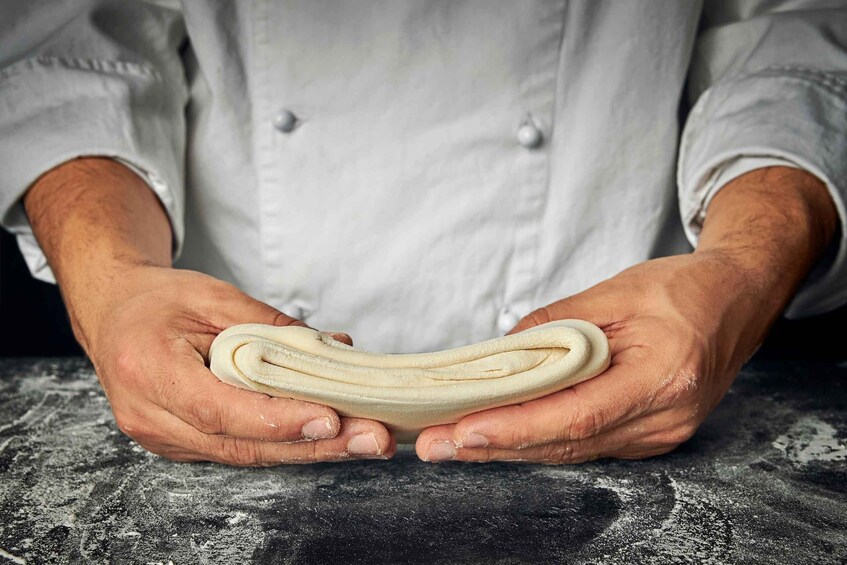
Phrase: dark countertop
(763,481)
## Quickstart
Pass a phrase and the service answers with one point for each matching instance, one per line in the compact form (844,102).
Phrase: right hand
(148,327)
(149,336)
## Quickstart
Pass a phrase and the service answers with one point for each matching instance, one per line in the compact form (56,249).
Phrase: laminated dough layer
(409,392)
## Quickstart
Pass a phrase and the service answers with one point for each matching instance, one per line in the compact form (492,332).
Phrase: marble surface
(763,481)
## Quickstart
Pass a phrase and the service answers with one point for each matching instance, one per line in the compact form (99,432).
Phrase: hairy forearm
(93,218)
(773,224)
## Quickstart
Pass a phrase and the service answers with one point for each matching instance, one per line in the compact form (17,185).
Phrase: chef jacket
(421,174)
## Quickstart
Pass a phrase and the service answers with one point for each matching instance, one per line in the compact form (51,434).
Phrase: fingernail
(441,451)
(474,439)
(342,337)
(318,429)
(363,444)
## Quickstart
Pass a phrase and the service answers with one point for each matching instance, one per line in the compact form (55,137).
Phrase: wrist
(771,225)
(96,221)
(93,297)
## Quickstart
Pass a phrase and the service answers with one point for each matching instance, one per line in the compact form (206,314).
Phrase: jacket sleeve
(768,86)
(85,78)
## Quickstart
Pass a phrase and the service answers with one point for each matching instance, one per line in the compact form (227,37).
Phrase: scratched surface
(763,481)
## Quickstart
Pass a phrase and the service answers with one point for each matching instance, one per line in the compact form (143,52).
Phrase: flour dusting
(811,439)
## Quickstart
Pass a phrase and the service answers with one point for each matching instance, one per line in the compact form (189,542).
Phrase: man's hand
(676,344)
(150,350)
(679,329)
(147,328)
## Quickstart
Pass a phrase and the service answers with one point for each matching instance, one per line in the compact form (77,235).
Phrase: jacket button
(529,136)
(507,320)
(285,121)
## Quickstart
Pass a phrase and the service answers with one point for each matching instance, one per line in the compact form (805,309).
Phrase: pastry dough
(409,392)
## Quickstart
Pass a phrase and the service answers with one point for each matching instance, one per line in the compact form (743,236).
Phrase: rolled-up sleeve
(90,78)
(768,86)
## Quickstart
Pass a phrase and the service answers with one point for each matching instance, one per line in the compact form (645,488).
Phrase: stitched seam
(832,83)
(818,76)
(96,65)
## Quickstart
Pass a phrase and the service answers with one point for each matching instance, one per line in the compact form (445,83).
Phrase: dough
(409,392)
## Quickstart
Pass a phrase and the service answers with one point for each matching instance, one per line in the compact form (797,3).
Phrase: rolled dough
(409,392)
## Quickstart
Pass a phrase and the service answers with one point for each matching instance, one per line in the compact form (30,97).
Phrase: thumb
(247,310)
(342,337)
(595,307)
(281,319)
(241,308)
(220,306)
(535,318)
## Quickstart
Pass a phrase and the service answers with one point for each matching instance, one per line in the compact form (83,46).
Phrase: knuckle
(678,434)
(176,456)
(126,361)
(205,415)
(317,453)
(167,452)
(132,426)
(585,424)
(144,435)
(282,320)
(685,432)
(141,431)
(215,290)
(540,316)
(126,423)
(239,451)
(678,384)
(484,455)
(311,452)
(560,452)
(519,437)
(516,429)
(686,379)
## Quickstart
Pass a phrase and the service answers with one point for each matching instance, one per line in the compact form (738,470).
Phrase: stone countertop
(763,481)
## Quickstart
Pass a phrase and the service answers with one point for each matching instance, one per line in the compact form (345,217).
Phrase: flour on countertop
(811,439)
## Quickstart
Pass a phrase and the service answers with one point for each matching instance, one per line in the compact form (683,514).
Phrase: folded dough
(409,392)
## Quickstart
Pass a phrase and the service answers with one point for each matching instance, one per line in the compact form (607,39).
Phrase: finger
(226,305)
(439,446)
(203,332)
(358,439)
(601,309)
(192,393)
(556,452)
(342,337)
(585,410)
(651,435)
(220,305)
(232,306)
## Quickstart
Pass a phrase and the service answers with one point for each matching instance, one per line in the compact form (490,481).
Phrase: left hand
(679,329)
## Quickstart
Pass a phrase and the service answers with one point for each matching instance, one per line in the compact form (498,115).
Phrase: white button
(285,121)
(507,320)
(293,310)
(529,136)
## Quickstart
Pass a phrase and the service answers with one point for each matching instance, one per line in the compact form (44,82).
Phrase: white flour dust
(811,439)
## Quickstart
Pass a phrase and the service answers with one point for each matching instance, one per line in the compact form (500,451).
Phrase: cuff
(783,116)
(53,110)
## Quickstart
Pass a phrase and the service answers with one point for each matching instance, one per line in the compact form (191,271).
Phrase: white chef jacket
(421,174)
